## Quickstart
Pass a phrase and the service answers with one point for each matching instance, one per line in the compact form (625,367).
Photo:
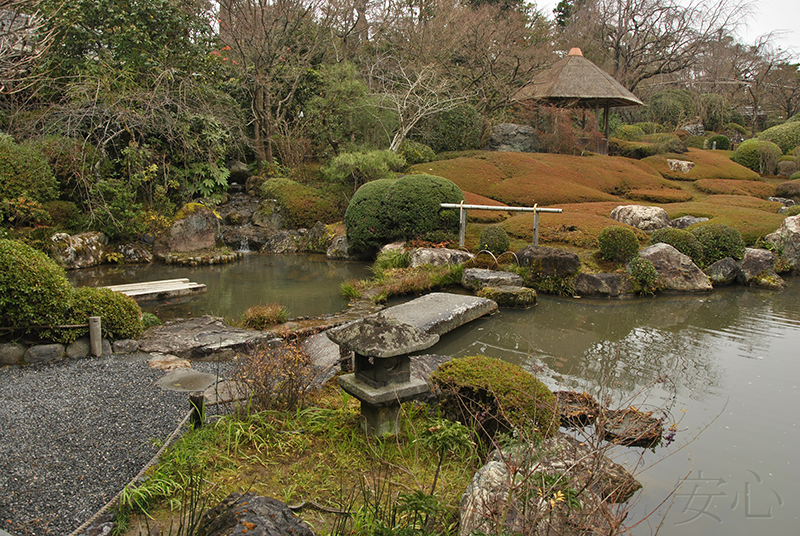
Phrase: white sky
(779,16)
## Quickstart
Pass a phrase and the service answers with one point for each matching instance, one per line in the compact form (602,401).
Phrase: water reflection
(307,284)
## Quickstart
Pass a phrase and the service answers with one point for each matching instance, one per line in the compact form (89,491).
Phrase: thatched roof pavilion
(576,82)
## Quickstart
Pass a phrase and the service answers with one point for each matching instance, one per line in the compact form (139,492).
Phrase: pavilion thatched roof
(574,81)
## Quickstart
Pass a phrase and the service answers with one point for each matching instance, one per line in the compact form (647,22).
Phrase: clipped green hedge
(494,239)
(304,206)
(683,241)
(362,167)
(366,219)
(34,291)
(759,155)
(120,316)
(719,241)
(24,172)
(618,243)
(785,136)
(494,396)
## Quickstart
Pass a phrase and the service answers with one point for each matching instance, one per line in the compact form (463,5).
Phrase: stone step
(159,290)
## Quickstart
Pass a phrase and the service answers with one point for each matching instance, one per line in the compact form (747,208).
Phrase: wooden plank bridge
(159,290)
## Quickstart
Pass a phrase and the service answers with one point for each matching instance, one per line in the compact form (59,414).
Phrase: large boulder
(602,284)
(641,217)
(134,253)
(82,250)
(549,262)
(786,241)
(438,256)
(477,278)
(757,269)
(270,215)
(196,228)
(676,271)
(560,458)
(254,515)
(513,137)
(723,272)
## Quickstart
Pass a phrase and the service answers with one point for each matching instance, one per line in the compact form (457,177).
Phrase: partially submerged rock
(641,217)
(576,409)
(602,284)
(196,229)
(723,272)
(786,241)
(631,427)
(477,278)
(549,262)
(676,271)
(509,295)
(757,269)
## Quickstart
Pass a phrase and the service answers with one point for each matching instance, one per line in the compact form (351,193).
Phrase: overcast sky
(779,16)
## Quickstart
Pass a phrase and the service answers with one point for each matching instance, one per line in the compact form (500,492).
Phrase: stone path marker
(382,378)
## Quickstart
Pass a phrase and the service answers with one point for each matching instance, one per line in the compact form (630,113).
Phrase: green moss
(494,396)
(304,206)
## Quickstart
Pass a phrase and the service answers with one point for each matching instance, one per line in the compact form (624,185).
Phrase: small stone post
(382,378)
(95,336)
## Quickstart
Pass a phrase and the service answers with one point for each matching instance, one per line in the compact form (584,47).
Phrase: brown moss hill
(753,217)
(708,165)
(524,179)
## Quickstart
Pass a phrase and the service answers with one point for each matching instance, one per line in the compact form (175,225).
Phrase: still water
(308,285)
(724,367)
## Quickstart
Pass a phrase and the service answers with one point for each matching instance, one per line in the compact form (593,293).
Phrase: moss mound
(494,396)
(734,187)
(618,243)
(303,204)
(707,165)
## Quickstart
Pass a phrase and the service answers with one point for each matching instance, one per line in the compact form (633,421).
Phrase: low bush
(264,316)
(366,218)
(416,153)
(723,143)
(666,143)
(34,292)
(794,176)
(63,214)
(304,205)
(789,189)
(75,164)
(697,142)
(759,155)
(618,243)
(274,377)
(389,260)
(683,241)
(649,127)
(629,132)
(719,241)
(459,129)
(793,211)
(736,127)
(360,168)
(493,396)
(786,136)
(120,315)
(629,149)
(24,172)
(644,276)
(149,320)
(494,239)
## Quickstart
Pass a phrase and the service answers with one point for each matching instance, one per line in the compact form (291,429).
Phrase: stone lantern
(382,378)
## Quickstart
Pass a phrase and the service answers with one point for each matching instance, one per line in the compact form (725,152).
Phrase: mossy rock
(493,397)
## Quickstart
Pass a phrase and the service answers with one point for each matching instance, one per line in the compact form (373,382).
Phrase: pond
(725,365)
(308,285)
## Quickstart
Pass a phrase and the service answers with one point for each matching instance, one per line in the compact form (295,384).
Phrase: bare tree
(411,92)
(639,39)
(23,41)
(272,45)
(784,88)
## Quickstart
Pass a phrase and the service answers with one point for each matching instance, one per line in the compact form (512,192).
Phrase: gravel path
(73,433)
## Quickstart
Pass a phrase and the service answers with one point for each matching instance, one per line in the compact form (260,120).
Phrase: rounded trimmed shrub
(304,205)
(493,396)
(789,188)
(34,291)
(644,275)
(666,143)
(412,204)
(719,241)
(24,172)
(494,239)
(785,136)
(723,142)
(618,243)
(149,320)
(682,240)
(416,153)
(366,219)
(120,316)
(794,176)
(629,132)
(759,155)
